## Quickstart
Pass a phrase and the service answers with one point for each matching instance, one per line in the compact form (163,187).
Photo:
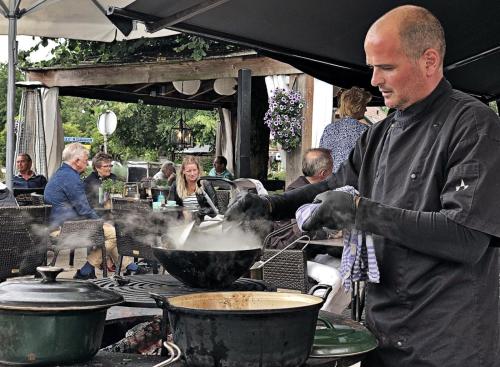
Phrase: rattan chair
(37,199)
(20,254)
(223,198)
(136,231)
(86,233)
(288,270)
(131,204)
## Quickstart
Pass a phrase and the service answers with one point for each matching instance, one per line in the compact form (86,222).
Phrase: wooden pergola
(151,83)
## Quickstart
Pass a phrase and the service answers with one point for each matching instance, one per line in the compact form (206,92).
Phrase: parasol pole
(11,92)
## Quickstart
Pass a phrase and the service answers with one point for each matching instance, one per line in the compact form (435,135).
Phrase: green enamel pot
(48,321)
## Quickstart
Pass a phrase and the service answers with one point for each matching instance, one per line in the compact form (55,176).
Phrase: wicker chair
(86,233)
(20,254)
(288,269)
(223,198)
(37,199)
(131,204)
(136,231)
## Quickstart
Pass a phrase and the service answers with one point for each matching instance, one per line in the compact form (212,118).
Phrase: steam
(223,237)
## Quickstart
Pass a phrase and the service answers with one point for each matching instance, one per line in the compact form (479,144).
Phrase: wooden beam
(201,92)
(210,68)
(147,85)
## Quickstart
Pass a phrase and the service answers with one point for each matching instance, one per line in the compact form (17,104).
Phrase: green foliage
(277,175)
(3,106)
(71,52)
(113,187)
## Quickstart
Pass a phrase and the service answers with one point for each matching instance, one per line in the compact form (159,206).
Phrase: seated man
(26,178)
(166,173)
(317,165)
(66,193)
(219,169)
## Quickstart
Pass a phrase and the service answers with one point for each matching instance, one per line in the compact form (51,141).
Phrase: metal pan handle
(161,301)
(326,287)
(175,354)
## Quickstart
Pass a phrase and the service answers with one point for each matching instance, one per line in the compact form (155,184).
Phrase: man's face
(399,78)
(219,167)
(81,163)
(23,165)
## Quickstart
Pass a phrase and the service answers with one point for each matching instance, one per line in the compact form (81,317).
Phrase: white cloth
(323,269)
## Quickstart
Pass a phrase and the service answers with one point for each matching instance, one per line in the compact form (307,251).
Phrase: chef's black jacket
(429,177)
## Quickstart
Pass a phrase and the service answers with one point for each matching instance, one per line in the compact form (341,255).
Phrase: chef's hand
(204,207)
(248,206)
(337,210)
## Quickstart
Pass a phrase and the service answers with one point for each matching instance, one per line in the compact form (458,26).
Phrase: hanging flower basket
(284,117)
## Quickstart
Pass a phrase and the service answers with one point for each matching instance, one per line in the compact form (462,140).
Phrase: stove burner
(136,291)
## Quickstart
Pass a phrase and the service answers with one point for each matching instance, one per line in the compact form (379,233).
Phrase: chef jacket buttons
(413,176)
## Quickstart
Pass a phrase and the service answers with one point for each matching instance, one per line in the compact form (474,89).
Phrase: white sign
(107,123)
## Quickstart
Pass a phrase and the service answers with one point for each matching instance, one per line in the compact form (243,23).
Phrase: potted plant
(284,117)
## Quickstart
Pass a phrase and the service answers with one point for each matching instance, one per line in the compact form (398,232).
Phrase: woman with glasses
(102,164)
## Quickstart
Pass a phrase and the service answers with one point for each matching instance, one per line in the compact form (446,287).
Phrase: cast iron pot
(206,269)
(49,322)
(244,329)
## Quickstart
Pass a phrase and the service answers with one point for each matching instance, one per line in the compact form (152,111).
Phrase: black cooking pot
(244,329)
(49,322)
(206,269)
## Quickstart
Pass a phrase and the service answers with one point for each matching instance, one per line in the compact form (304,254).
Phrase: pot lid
(341,341)
(49,294)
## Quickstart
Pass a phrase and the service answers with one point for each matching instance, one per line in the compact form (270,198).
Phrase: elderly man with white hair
(66,193)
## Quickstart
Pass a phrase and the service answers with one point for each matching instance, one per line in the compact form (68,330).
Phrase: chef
(429,183)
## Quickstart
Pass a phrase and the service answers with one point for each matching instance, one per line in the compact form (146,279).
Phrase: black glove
(204,207)
(248,206)
(337,210)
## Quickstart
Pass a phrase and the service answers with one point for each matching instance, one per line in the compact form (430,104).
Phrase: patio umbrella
(324,38)
(76,19)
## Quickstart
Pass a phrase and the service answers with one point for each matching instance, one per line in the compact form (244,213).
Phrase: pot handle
(326,287)
(161,301)
(175,354)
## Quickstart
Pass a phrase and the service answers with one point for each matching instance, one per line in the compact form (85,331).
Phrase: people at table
(26,178)
(167,173)
(65,191)
(220,168)
(102,163)
(427,178)
(340,136)
(187,193)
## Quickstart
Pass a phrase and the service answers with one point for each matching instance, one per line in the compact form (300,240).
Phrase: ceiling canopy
(324,38)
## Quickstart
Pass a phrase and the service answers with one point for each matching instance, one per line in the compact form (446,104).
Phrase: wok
(206,269)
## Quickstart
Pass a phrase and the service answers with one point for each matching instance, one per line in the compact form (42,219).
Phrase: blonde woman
(187,193)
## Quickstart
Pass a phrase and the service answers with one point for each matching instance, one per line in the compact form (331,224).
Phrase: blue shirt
(340,137)
(35,181)
(223,174)
(66,193)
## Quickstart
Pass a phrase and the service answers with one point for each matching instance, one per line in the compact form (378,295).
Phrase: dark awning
(324,38)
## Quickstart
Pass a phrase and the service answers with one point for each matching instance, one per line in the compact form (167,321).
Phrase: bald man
(428,181)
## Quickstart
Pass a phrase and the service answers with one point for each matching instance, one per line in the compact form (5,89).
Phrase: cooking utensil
(206,269)
(243,329)
(341,341)
(259,264)
(49,322)
(186,232)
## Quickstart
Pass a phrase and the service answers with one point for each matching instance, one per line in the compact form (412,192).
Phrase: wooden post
(305,86)
(243,132)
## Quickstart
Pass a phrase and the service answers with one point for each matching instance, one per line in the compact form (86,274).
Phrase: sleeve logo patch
(462,186)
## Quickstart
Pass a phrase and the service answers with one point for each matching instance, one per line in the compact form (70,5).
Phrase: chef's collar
(417,110)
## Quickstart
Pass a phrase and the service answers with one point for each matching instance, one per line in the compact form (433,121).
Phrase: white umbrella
(76,19)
